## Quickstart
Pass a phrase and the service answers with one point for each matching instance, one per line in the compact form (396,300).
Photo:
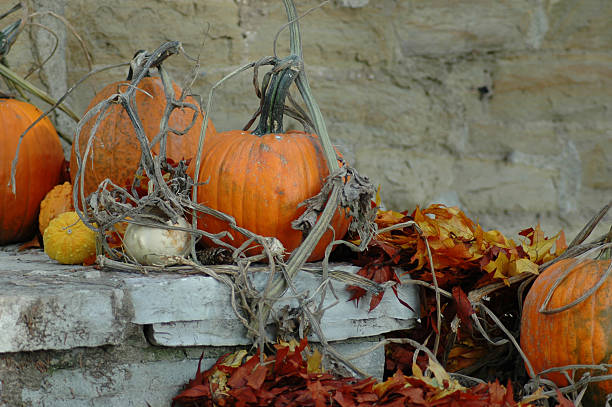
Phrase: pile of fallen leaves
(290,379)
(444,248)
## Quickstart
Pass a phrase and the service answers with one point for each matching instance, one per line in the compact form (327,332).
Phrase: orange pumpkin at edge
(580,335)
(38,168)
(116,150)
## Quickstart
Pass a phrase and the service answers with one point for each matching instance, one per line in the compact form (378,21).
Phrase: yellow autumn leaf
(523,266)
(499,267)
(313,364)
(292,344)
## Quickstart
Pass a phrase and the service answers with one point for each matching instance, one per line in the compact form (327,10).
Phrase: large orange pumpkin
(38,168)
(260,178)
(116,150)
(581,334)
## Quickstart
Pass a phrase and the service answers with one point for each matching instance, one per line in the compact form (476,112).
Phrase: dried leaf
(313,365)
(464,307)
(34,243)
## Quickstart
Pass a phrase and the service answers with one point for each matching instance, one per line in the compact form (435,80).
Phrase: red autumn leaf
(194,393)
(464,307)
(318,394)
(404,303)
(281,354)
(243,395)
(344,399)
(240,376)
(376,299)
(497,394)
(257,377)
(378,273)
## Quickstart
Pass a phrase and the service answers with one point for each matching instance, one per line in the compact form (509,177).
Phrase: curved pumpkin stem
(304,88)
(273,109)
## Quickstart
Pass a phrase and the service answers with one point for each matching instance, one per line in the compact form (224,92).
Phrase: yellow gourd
(68,240)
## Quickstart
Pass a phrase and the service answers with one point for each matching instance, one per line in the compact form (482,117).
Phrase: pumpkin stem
(295,43)
(137,60)
(273,109)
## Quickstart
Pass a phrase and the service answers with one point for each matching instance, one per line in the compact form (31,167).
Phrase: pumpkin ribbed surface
(116,150)
(580,335)
(38,168)
(68,240)
(56,202)
(260,180)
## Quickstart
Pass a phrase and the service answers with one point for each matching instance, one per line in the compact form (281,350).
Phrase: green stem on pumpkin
(273,109)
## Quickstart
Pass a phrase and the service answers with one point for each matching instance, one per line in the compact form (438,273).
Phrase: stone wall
(500,107)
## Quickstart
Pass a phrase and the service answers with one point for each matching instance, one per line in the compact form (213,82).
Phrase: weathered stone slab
(155,383)
(44,305)
(343,319)
(169,298)
(371,362)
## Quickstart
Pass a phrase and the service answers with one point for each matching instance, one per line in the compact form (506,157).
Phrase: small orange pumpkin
(116,150)
(56,202)
(39,168)
(260,178)
(581,334)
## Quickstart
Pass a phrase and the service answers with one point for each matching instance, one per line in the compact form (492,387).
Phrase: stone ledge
(46,306)
(56,322)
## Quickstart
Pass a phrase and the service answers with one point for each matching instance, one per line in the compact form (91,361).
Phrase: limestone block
(50,306)
(407,177)
(169,298)
(516,187)
(584,25)
(574,87)
(135,384)
(341,321)
(45,306)
(371,361)
(438,27)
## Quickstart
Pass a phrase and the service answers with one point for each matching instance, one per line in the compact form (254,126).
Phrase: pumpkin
(39,168)
(116,150)
(581,334)
(68,240)
(259,178)
(56,202)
